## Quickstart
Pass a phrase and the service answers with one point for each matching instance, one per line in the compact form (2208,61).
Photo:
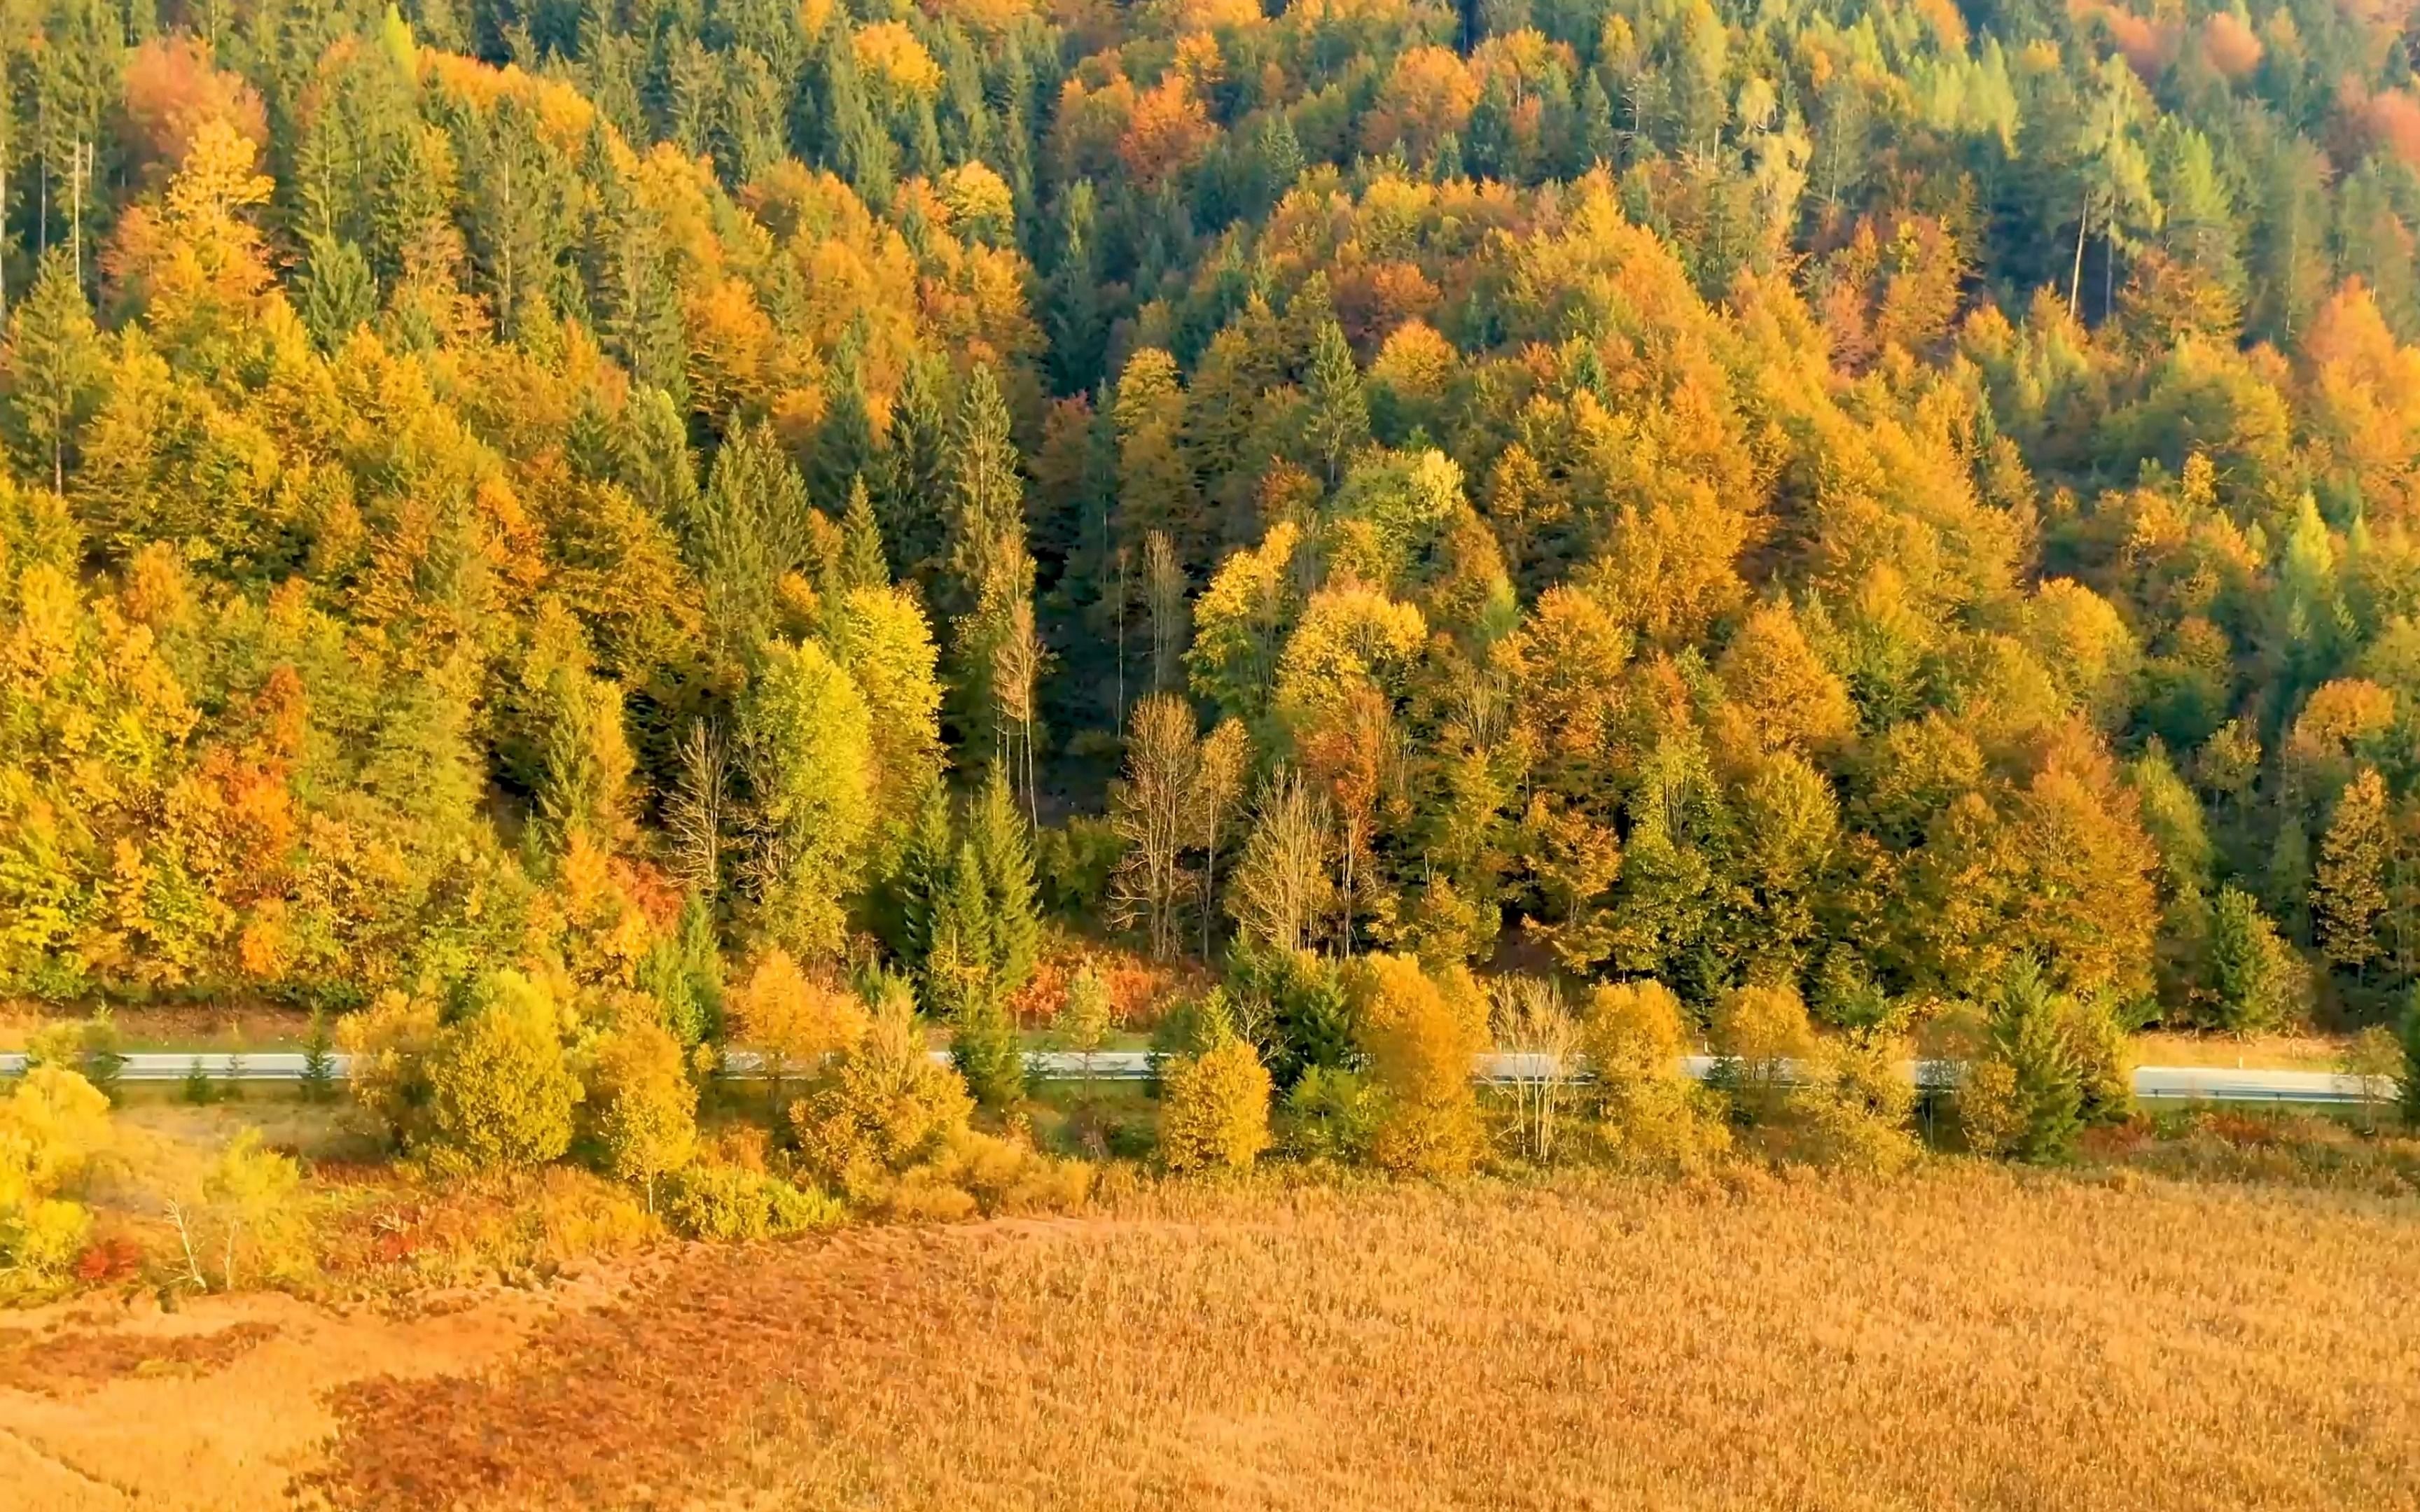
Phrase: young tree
(1215,1107)
(2023,1096)
(1012,908)
(54,370)
(1339,410)
(1150,811)
(1282,892)
(1421,1036)
(501,1092)
(805,742)
(1085,1017)
(962,975)
(644,1106)
(2252,971)
(792,1019)
(1648,1110)
(2350,890)
(1761,1034)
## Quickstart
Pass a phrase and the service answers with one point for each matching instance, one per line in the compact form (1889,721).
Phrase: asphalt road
(2205,1083)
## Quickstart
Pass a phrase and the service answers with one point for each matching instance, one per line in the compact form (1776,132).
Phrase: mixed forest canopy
(1854,496)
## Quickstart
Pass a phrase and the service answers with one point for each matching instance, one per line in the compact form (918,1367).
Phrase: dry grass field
(1966,1338)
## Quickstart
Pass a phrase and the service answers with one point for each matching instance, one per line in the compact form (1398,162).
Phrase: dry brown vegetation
(1963,1337)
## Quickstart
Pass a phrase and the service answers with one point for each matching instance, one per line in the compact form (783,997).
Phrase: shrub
(733,1202)
(1421,1037)
(1331,1115)
(1648,1112)
(971,1172)
(1852,1108)
(1759,1033)
(644,1106)
(88,1048)
(1215,1108)
(794,1019)
(52,1123)
(243,1216)
(879,1106)
(40,1240)
(388,1044)
(500,1091)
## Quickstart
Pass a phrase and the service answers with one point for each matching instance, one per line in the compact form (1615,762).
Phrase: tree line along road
(2201,1084)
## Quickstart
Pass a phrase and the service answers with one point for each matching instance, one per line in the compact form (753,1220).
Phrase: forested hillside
(1844,495)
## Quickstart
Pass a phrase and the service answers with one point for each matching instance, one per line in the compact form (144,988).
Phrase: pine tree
(1598,142)
(318,1062)
(2350,889)
(862,558)
(845,444)
(2025,1097)
(1078,323)
(54,369)
(998,832)
(963,984)
(339,296)
(2250,968)
(915,473)
(1339,410)
(986,496)
(925,878)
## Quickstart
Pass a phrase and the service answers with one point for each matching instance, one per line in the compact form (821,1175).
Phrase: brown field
(2260,1052)
(1965,1337)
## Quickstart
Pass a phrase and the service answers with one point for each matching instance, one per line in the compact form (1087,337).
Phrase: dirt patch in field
(69,1361)
(623,1405)
(220,1406)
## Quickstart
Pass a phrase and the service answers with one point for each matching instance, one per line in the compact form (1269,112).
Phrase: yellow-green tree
(1423,1036)
(1214,1107)
(500,1090)
(644,1104)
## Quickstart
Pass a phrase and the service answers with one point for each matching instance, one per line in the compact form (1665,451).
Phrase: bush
(1759,1033)
(644,1106)
(1421,1037)
(89,1048)
(1215,1108)
(500,1091)
(733,1202)
(388,1045)
(1074,861)
(880,1106)
(971,1172)
(52,1123)
(1648,1112)
(42,1239)
(1852,1108)
(1331,1115)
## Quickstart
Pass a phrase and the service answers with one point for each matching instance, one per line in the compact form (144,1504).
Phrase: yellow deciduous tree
(1423,1036)
(1215,1107)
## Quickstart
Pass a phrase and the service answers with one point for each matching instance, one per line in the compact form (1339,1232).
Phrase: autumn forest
(1859,501)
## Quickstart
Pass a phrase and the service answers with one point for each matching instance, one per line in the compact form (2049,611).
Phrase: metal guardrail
(2203,1083)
